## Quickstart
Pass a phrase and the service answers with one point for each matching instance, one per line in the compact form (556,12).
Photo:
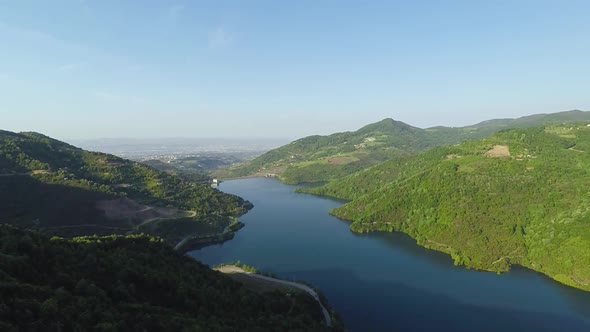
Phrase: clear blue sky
(89,69)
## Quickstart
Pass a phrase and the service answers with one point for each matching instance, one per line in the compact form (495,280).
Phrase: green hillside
(316,158)
(132,283)
(321,158)
(55,187)
(518,197)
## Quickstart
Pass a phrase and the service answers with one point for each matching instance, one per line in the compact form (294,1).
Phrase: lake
(384,281)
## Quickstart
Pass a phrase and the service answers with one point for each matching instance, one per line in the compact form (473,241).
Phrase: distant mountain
(321,158)
(53,186)
(519,196)
(488,127)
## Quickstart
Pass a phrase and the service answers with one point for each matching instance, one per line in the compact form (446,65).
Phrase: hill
(321,158)
(55,187)
(517,197)
(132,283)
(317,158)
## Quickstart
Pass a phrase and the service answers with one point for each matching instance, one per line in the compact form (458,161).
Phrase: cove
(385,281)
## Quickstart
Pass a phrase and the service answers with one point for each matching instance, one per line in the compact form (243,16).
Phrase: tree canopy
(131,283)
(518,197)
(53,186)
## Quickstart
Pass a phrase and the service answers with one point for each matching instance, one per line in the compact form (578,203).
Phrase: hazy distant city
(176,148)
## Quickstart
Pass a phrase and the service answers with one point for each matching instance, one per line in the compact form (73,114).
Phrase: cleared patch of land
(498,151)
(255,284)
(342,160)
(35,172)
(125,208)
(573,148)
(271,172)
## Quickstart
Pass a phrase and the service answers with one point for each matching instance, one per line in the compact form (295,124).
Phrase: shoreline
(568,283)
(231,269)
(438,247)
(191,243)
(557,277)
(247,177)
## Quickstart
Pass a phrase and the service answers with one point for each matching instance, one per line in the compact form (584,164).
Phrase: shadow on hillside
(26,202)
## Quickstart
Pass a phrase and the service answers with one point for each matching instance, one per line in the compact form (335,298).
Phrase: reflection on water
(390,306)
(383,281)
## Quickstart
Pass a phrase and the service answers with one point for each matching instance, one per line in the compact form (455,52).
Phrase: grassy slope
(69,181)
(317,158)
(131,283)
(531,208)
(321,158)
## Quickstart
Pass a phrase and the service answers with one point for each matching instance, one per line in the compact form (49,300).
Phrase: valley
(294,166)
(515,198)
(381,281)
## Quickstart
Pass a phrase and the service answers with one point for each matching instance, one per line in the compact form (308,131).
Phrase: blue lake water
(384,281)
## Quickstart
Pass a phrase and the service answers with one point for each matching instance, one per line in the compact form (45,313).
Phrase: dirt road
(234,269)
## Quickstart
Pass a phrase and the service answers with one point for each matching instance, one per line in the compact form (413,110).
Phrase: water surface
(384,281)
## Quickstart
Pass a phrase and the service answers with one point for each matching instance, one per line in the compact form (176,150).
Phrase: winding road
(305,288)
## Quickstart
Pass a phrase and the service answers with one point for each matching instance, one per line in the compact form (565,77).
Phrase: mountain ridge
(319,158)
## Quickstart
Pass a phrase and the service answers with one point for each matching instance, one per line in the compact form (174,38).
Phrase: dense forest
(322,158)
(518,197)
(56,187)
(131,283)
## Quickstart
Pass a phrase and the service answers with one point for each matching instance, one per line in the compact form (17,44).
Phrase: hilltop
(317,158)
(58,188)
(321,158)
(519,196)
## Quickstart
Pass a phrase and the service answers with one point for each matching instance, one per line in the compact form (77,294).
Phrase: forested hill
(320,158)
(131,283)
(317,158)
(53,186)
(518,197)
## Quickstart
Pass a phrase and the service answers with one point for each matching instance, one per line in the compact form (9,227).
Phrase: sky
(85,69)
